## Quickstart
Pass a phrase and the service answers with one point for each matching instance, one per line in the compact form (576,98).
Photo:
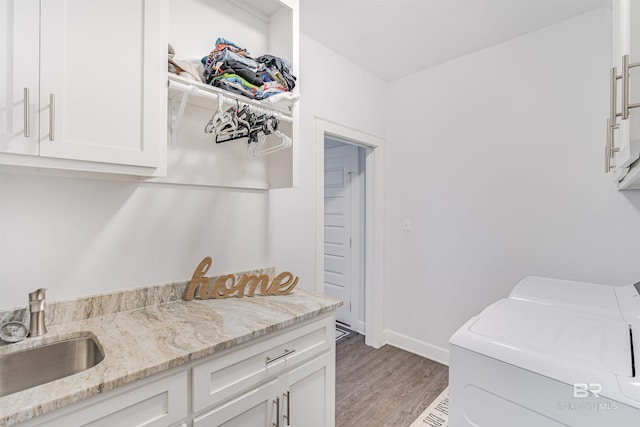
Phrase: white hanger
(257,149)
(221,120)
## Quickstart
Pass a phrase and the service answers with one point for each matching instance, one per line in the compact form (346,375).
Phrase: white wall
(81,237)
(497,157)
(336,90)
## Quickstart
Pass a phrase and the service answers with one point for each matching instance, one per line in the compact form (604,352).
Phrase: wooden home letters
(226,285)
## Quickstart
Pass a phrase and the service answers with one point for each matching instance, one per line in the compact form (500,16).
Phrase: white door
(339,165)
(102,80)
(19,52)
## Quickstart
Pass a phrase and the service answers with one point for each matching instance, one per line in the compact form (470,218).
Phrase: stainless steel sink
(31,367)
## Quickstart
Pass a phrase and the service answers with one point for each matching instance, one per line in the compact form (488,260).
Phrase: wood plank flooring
(387,387)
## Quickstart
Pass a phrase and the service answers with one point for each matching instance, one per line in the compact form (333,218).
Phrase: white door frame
(373,226)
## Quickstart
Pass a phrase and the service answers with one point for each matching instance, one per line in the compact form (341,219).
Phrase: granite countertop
(144,341)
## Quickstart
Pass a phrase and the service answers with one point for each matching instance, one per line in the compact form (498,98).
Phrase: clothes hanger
(221,120)
(258,149)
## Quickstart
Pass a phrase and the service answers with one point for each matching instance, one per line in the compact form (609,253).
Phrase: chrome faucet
(36,308)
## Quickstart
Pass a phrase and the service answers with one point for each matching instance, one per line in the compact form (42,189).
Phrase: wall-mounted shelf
(194,157)
(183,91)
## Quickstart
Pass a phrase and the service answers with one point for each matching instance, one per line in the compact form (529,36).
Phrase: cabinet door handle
(613,96)
(607,161)
(287,416)
(27,115)
(610,148)
(286,353)
(277,403)
(626,105)
(52,117)
(625,87)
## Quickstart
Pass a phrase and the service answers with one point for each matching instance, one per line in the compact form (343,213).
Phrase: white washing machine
(554,353)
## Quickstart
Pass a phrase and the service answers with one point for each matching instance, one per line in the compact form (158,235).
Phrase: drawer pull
(286,353)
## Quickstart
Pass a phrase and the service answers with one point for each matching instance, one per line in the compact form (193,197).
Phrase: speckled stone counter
(150,339)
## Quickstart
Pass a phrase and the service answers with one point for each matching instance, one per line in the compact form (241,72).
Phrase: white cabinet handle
(27,116)
(52,117)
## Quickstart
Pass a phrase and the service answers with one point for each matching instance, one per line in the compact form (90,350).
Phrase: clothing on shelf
(230,67)
(191,69)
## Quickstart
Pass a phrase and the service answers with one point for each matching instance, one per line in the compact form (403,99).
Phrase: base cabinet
(288,380)
(303,397)
(284,379)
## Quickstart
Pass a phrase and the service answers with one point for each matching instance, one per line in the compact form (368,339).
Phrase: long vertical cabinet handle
(625,87)
(611,121)
(52,117)
(626,103)
(287,416)
(277,403)
(27,114)
(607,161)
(609,149)
(613,98)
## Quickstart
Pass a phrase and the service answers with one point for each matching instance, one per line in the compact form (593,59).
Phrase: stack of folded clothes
(231,67)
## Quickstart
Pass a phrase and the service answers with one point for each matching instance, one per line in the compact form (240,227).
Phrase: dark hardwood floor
(383,387)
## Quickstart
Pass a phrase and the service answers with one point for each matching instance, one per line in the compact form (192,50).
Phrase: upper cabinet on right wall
(622,152)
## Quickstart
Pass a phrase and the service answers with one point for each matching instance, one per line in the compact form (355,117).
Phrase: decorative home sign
(282,284)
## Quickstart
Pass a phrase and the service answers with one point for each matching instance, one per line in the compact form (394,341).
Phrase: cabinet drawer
(158,403)
(242,368)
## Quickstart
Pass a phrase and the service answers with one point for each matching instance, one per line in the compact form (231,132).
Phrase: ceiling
(395,38)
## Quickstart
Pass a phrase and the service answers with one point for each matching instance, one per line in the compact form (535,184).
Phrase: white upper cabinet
(19,45)
(96,80)
(623,140)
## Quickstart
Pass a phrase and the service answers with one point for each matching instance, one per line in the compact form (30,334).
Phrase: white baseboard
(358,326)
(421,348)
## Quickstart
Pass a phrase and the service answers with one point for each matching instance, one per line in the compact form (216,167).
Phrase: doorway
(344,234)
(371,149)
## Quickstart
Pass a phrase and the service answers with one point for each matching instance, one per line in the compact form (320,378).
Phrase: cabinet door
(103,80)
(256,408)
(19,47)
(309,396)
(626,15)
